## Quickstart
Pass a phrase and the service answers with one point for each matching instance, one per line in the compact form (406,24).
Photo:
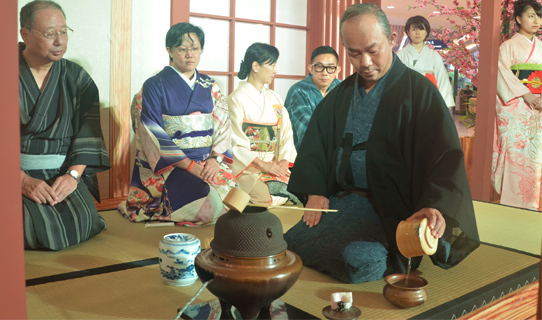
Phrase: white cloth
(429,61)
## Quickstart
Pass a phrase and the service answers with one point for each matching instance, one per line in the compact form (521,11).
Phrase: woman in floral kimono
(262,136)
(517,148)
(183,140)
(419,57)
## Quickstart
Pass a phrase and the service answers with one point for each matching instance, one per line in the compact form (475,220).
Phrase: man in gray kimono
(380,148)
(61,138)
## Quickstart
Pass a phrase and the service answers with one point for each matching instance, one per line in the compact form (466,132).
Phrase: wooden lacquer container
(414,238)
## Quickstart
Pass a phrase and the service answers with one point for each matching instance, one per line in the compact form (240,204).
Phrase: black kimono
(413,161)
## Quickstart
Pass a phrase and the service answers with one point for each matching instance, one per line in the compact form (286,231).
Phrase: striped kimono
(62,120)
(173,122)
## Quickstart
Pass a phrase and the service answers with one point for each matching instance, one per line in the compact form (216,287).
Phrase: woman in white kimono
(262,136)
(517,148)
(428,62)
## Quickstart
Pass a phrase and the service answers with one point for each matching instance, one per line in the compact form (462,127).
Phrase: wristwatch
(218,158)
(74,174)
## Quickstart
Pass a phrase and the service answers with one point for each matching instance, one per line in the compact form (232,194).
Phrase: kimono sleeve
(160,151)
(298,105)
(287,149)
(222,125)
(243,157)
(443,80)
(88,147)
(509,87)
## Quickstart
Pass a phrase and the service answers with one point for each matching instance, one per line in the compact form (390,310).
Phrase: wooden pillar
(121,65)
(180,11)
(375,2)
(12,274)
(485,109)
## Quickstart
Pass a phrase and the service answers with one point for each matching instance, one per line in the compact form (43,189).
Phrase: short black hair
(324,50)
(521,6)
(259,52)
(27,16)
(175,34)
(420,23)
(360,9)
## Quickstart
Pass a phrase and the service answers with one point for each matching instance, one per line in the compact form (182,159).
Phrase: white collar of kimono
(531,41)
(191,82)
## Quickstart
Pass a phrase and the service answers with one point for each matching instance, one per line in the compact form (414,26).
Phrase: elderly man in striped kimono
(61,140)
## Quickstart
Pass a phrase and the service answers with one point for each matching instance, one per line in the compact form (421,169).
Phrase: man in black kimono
(380,148)
(61,140)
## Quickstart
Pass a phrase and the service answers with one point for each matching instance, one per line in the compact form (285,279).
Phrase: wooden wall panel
(121,41)
(487,75)
(12,274)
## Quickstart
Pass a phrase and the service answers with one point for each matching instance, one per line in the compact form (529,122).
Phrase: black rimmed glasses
(320,68)
(194,50)
(64,33)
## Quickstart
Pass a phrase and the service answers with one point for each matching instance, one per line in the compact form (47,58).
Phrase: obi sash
(190,131)
(530,75)
(262,138)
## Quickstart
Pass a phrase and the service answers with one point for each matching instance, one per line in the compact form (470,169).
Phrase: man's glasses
(320,68)
(63,34)
(194,50)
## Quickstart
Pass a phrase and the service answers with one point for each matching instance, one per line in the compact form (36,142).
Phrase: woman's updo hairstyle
(259,52)
(521,6)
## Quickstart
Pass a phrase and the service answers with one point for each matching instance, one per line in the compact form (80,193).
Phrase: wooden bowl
(414,238)
(405,291)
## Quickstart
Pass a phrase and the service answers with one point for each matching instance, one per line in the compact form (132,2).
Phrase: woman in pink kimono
(262,136)
(517,148)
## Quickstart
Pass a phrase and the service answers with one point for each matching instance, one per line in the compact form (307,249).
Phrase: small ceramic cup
(414,238)
(176,258)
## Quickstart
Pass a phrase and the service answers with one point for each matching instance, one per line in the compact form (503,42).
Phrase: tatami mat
(139,293)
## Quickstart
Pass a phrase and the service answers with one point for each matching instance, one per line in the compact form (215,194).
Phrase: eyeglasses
(63,34)
(321,67)
(194,50)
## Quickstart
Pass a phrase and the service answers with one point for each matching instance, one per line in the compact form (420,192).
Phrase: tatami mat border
(510,249)
(91,272)
(478,298)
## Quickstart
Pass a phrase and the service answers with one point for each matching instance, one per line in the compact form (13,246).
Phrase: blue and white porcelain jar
(176,258)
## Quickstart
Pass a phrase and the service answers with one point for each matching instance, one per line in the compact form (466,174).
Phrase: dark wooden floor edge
(515,280)
(91,272)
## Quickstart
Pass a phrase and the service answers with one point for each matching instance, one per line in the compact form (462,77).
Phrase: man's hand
(210,171)
(312,218)
(435,220)
(37,190)
(63,187)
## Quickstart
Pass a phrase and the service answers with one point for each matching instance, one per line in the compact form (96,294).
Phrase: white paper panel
(245,35)
(292,12)
(282,86)
(215,7)
(291,44)
(150,24)
(253,9)
(215,55)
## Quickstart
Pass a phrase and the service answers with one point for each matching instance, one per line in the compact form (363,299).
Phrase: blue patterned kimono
(302,99)
(173,122)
